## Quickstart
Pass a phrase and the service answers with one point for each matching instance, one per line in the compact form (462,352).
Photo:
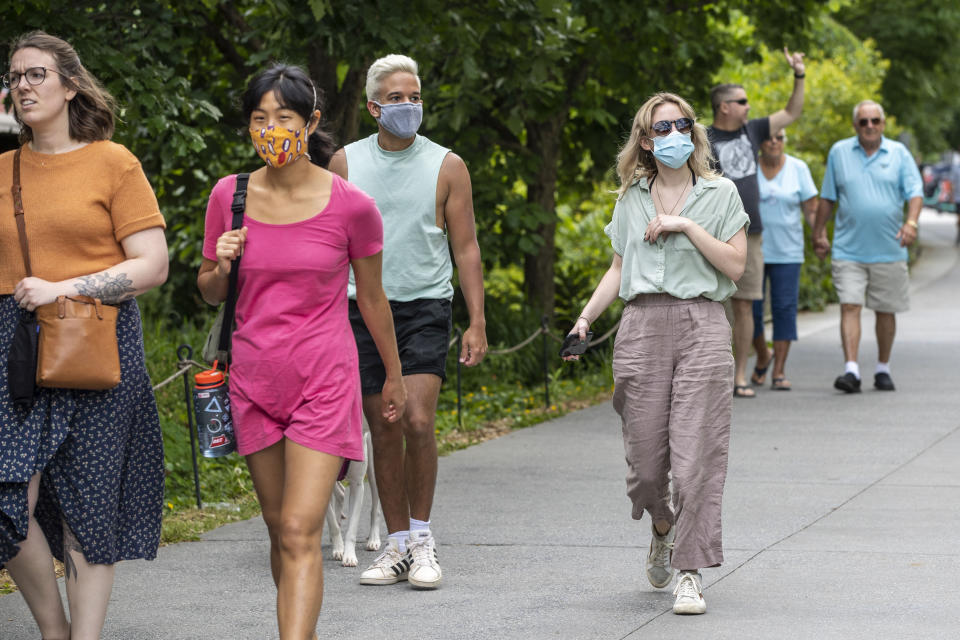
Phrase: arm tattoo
(70,544)
(106,286)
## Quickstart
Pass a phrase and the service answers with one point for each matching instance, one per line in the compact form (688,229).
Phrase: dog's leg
(373,540)
(355,475)
(333,520)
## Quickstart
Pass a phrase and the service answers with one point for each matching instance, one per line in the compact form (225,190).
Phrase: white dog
(346,502)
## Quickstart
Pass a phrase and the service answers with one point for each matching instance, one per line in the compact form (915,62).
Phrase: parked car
(938,189)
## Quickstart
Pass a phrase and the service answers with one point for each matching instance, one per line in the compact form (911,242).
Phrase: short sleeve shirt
(79,206)
(870,192)
(673,264)
(293,329)
(736,157)
(780,200)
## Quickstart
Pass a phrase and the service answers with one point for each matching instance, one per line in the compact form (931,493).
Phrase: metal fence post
(544,323)
(185,353)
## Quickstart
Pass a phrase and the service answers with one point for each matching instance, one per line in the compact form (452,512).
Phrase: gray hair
(385,66)
(864,103)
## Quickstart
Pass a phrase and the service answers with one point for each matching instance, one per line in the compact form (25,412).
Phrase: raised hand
(795,60)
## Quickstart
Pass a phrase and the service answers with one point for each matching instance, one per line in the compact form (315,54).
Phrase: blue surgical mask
(673,150)
(401,119)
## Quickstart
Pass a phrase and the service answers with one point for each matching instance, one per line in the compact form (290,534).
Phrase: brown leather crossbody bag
(77,343)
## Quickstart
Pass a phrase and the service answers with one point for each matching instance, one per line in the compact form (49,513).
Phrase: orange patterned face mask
(278,146)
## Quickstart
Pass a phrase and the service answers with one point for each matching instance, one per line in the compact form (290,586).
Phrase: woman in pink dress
(294,381)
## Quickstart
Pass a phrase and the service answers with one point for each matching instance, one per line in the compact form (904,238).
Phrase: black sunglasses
(741,101)
(874,121)
(778,138)
(663,127)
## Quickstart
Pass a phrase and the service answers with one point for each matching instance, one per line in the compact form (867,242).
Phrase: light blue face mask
(673,150)
(401,119)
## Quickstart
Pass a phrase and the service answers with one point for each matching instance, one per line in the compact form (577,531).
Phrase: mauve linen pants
(673,371)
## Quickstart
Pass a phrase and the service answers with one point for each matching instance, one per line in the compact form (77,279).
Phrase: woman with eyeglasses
(81,472)
(296,403)
(679,240)
(787,197)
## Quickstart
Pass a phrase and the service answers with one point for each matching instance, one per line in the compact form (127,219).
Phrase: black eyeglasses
(740,101)
(874,121)
(779,138)
(664,127)
(34,76)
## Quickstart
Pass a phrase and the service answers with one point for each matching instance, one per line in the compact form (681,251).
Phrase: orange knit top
(77,206)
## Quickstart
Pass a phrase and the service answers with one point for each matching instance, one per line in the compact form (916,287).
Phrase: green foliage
(583,256)
(221,479)
(919,39)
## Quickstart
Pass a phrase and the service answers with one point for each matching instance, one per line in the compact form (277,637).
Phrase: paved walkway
(842,520)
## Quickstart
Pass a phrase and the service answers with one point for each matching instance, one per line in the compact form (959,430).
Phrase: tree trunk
(341,115)
(543,139)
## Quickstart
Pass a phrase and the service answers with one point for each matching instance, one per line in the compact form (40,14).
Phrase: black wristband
(799,75)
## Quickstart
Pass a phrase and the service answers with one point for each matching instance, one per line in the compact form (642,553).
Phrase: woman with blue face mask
(679,240)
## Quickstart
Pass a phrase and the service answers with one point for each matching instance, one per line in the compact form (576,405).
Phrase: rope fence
(185,363)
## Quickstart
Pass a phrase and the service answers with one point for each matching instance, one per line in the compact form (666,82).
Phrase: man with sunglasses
(869,177)
(735,140)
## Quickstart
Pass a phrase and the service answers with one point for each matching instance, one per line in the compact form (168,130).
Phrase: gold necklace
(660,198)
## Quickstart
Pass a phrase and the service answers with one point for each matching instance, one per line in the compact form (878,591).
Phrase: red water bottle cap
(208,379)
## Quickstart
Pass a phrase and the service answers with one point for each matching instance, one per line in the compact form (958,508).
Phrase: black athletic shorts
(423,332)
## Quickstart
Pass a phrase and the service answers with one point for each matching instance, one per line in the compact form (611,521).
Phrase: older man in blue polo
(869,177)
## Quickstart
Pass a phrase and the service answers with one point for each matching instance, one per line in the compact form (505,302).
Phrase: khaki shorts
(884,286)
(750,285)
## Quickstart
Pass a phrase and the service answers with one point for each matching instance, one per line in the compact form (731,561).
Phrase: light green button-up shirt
(674,265)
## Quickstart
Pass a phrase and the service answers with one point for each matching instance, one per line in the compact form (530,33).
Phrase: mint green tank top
(416,256)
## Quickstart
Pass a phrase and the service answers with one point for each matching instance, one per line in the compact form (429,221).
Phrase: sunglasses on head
(663,127)
(874,121)
(741,101)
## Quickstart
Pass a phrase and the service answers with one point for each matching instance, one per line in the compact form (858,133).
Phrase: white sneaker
(424,568)
(689,595)
(390,567)
(659,571)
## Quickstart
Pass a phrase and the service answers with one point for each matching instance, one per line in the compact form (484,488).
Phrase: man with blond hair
(869,177)
(424,195)
(736,139)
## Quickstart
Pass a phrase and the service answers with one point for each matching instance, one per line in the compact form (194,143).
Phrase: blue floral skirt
(100,454)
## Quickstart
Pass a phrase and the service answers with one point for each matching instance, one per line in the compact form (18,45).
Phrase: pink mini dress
(294,368)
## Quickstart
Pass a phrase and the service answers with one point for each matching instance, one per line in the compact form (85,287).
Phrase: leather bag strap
(17,194)
(238,207)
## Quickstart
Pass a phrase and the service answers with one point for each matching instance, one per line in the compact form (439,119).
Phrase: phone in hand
(572,346)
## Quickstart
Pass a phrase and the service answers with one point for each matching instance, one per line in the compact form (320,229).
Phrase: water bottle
(212,404)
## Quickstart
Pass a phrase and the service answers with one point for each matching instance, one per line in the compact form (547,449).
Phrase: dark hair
(91,110)
(720,93)
(295,91)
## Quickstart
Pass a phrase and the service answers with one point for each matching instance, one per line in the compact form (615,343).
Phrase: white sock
(883,367)
(852,367)
(419,525)
(401,539)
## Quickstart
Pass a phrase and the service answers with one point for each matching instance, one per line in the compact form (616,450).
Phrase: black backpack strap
(238,207)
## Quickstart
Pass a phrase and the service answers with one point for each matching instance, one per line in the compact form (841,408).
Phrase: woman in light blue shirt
(787,195)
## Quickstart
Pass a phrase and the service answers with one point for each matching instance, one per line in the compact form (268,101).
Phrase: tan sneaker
(659,571)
